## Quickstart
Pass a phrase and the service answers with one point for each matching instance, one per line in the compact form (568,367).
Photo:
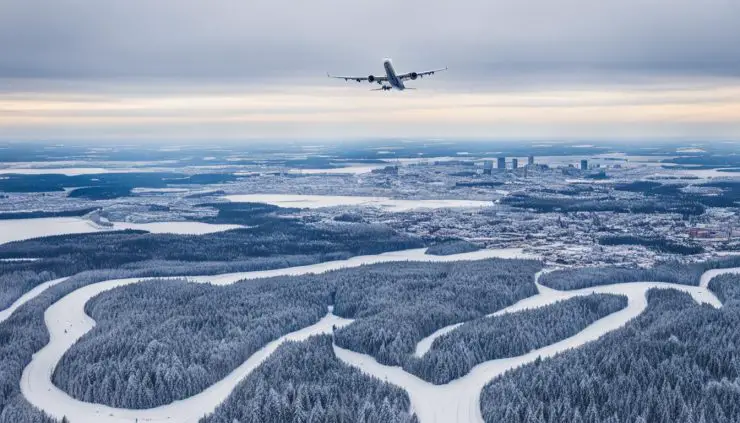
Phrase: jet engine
(371,79)
(414,75)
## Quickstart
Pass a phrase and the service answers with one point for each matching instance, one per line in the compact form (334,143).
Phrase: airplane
(391,80)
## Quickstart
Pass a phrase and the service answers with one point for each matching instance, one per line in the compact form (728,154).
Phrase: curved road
(67,322)
(457,401)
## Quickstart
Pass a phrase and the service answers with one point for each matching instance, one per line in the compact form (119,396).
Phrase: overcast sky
(182,69)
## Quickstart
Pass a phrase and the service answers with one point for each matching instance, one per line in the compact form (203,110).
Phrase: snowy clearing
(70,171)
(319,201)
(20,229)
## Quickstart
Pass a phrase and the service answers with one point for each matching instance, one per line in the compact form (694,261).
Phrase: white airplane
(391,80)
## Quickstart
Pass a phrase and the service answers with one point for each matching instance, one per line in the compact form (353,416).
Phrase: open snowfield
(318,201)
(20,229)
(71,171)
(347,170)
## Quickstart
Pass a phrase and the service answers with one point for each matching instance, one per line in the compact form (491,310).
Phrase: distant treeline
(275,243)
(100,193)
(479,184)
(452,247)
(659,244)
(248,214)
(112,182)
(658,198)
(41,214)
(605,204)
(672,272)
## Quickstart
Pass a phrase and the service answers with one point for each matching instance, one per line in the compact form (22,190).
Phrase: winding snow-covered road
(28,296)
(67,322)
(415,254)
(457,401)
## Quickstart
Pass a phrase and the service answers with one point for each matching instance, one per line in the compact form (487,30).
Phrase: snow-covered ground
(318,201)
(20,229)
(415,254)
(347,170)
(18,260)
(4,314)
(457,401)
(182,228)
(67,322)
(71,171)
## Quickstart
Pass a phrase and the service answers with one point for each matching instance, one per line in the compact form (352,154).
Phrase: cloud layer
(76,66)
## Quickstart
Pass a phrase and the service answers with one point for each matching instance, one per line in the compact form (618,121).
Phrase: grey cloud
(285,41)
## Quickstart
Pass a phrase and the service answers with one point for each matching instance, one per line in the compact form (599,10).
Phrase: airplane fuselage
(393,80)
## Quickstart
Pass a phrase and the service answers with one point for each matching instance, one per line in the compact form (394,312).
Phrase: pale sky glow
(192,70)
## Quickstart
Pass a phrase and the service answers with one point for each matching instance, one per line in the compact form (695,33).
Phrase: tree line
(277,244)
(672,272)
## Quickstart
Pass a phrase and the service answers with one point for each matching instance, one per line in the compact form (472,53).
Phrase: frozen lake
(318,201)
(20,229)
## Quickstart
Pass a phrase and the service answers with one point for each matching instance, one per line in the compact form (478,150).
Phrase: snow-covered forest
(396,306)
(453,355)
(679,273)
(678,362)
(23,334)
(160,341)
(452,247)
(279,243)
(305,383)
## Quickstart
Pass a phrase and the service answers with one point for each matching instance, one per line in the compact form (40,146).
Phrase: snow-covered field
(182,228)
(70,171)
(318,201)
(347,170)
(20,229)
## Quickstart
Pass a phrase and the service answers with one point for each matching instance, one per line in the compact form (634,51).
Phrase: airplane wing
(414,75)
(371,78)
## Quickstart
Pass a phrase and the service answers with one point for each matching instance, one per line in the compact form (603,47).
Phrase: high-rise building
(530,160)
(501,163)
(584,164)
(514,163)
(487,167)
